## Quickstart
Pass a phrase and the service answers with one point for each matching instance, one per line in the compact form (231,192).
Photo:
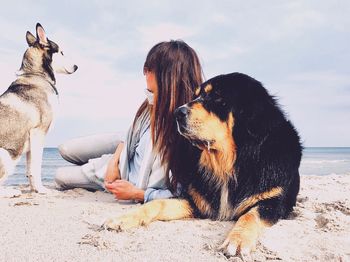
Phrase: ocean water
(325,161)
(316,161)
(51,161)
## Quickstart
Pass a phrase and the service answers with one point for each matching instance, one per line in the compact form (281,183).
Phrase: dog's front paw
(42,190)
(240,242)
(123,223)
(9,192)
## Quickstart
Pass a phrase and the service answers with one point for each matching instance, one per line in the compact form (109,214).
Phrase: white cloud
(318,106)
(10,62)
(219,19)
(152,34)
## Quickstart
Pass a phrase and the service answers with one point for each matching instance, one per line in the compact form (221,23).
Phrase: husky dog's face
(61,64)
(45,55)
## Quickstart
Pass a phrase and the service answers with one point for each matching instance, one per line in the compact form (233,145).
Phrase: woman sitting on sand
(139,166)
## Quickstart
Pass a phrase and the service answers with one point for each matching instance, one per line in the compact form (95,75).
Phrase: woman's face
(151,81)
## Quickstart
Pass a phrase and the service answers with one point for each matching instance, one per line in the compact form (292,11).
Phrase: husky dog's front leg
(7,164)
(34,160)
(161,209)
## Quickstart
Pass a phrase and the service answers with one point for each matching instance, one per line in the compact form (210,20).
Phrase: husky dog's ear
(30,38)
(40,34)
(54,47)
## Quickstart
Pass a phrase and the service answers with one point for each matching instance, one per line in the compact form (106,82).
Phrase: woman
(138,170)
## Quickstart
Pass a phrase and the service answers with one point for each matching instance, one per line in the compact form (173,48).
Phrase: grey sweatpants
(79,151)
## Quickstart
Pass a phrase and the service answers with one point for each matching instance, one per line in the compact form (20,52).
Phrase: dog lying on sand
(243,165)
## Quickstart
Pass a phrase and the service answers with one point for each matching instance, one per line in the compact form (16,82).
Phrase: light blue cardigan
(151,175)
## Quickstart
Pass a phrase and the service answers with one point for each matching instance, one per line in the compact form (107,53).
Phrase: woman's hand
(124,190)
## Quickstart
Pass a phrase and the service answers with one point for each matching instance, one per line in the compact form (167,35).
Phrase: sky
(298,49)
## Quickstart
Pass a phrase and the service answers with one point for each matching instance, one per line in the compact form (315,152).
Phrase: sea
(319,161)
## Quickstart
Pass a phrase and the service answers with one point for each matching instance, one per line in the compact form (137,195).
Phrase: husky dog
(27,108)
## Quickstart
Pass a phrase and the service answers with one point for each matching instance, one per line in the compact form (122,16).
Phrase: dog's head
(44,55)
(221,103)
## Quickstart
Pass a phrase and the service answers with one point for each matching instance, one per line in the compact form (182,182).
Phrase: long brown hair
(178,72)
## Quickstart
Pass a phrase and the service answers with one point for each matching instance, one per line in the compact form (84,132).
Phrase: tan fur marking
(198,112)
(200,202)
(197,91)
(207,126)
(161,209)
(246,231)
(208,88)
(219,161)
(226,210)
(170,209)
(252,200)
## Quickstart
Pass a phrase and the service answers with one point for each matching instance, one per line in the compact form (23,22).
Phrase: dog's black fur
(267,150)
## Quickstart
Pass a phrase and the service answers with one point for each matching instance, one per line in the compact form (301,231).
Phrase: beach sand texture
(64,226)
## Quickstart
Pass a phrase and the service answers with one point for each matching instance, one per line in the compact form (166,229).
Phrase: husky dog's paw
(123,223)
(9,192)
(42,190)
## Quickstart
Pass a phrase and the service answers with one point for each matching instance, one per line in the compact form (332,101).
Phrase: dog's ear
(41,35)
(30,38)
(53,45)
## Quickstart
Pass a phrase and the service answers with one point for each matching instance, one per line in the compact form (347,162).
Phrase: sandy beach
(65,226)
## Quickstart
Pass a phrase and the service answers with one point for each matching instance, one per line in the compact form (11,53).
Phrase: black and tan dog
(245,168)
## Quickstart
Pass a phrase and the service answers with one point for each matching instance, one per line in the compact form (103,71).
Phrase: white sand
(64,226)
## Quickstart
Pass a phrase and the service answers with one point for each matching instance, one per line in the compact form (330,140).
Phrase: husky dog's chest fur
(28,103)
(37,94)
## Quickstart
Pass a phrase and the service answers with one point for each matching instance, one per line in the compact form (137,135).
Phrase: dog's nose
(181,112)
(75,67)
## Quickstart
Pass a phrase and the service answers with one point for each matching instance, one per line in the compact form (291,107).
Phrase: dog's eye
(220,101)
(217,98)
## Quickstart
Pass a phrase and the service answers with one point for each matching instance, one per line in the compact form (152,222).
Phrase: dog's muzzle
(181,115)
(75,68)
